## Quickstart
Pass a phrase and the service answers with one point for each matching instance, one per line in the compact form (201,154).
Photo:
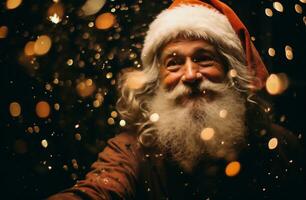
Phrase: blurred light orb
(42,109)
(78,137)
(289,52)
(207,134)
(15,109)
(278,6)
(55,18)
(298,8)
(122,123)
(268,12)
(232,169)
(86,88)
(96,103)
(271,52)
(277,83)
(154,117)
(232,73)
(70,62)
(111,121)
(29,48)
(105,21)
(282,118)
(91,7)
(42,45)
(30,129)
(223,113)
(3,31)
(114,114)
(109,75)
(36,129)
(48,87)
(55,13)
(273,142)
(44,143)
(12,4)
(303,1)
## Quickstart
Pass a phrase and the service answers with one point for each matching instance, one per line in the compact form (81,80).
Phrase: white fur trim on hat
(192,20)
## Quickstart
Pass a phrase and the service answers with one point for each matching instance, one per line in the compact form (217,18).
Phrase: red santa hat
(211,20)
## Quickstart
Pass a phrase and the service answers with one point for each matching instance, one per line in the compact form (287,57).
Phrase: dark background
(30,171)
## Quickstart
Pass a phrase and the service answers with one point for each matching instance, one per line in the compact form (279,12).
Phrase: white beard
(179,126)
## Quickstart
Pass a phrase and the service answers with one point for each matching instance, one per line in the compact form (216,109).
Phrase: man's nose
(191,72)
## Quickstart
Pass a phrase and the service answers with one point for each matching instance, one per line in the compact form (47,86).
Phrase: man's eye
(171,63)
(202,58)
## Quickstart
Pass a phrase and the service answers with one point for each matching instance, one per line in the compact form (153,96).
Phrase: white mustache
(182,90)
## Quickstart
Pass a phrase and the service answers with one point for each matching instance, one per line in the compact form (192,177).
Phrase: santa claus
(195,126)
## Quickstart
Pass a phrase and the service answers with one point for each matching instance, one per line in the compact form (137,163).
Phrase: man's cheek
(171,80)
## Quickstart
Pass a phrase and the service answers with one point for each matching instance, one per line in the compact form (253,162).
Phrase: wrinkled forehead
(182,37)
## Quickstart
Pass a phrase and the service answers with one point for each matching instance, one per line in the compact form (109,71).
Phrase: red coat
(126,170)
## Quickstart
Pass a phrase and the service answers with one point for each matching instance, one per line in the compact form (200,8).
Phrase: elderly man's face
(190,61)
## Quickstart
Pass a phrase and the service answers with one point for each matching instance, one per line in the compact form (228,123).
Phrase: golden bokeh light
(232,169)
(271,52)
(114,114)
(3,31)
(96,103)
(29,48)
(42,45)
(15,109)
(44,143)
(282,118)
(55,13)
(91,7)
(105,21)
(42,109)
(12,4)
(48,87)
(278,6)
(30,130)
(303,1)
(99,97)
(223,113)
(289,52)
(277,83)
(268,12)
(36,129)
(111,121)
(78,137)
(109,75)
(154,117)
(207,134)
(273,142)
(298,8)
(55,18)
(232,73)
(86,88)
(122,123)
(69,62)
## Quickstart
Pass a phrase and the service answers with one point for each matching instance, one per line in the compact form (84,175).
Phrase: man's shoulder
(125,136)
